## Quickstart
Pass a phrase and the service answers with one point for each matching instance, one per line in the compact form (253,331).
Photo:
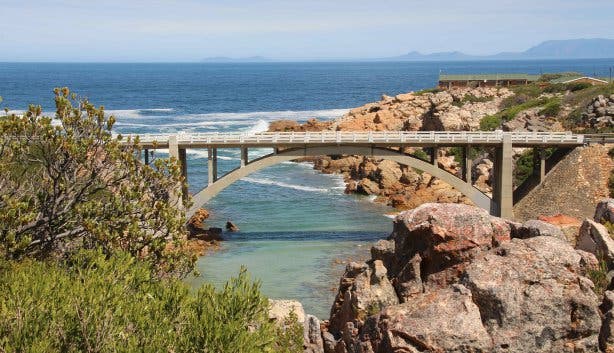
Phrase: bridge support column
(467,164)
(539,163)
(244,157)
(146,151)
(434,156)
(504,190)
(212,165)
(181,156)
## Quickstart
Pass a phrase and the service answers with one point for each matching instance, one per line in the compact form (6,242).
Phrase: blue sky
(189,30)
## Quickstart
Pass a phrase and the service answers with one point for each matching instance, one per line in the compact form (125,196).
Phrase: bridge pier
(503,192)
(212,164)
(467,164)
(244,157)
(434,155)
(539,163)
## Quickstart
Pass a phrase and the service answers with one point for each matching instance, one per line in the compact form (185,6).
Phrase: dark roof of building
(489,77)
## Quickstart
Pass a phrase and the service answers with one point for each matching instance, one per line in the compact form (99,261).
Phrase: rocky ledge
(452,278)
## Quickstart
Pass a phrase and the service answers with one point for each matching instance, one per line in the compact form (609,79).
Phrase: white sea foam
(284,185)
(250,116)
(261,126)
(169,120)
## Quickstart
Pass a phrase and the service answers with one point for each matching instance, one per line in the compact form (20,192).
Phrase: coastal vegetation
(95,303)
(93,248)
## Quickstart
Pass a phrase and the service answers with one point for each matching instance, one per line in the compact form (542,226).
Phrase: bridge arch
(475,195)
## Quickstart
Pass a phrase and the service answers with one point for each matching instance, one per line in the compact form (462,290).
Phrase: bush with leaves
(68,182)
(96,303)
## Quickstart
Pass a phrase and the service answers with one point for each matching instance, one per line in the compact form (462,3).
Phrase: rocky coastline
(457,109)
(452,278)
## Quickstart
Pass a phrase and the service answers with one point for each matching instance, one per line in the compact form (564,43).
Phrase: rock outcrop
(600,112)
(595,238)
(451,278)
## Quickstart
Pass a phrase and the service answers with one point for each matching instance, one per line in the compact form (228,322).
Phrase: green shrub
(99,304)
(420,154)
(458,153)
(552,108)
(490,123)
(74,184)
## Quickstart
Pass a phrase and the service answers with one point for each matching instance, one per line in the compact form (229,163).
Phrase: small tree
(69,182)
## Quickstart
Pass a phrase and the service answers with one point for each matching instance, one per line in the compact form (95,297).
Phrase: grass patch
(599,277)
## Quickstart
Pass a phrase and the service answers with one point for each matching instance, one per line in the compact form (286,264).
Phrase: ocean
(298,229)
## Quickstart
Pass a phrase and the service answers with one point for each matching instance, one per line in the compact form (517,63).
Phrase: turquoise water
(297,227)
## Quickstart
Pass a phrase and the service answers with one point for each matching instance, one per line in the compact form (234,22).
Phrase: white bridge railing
(375,137)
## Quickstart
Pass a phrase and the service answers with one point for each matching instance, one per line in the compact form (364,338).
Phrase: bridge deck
(379,138)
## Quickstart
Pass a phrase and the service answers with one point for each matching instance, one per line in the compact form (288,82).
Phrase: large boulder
(445,320)
(533,297)
(463,285)
(596,239)
(388,173)
(364,290)
(434,242)
(528,295)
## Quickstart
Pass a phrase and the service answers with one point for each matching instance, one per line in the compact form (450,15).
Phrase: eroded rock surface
(454,281)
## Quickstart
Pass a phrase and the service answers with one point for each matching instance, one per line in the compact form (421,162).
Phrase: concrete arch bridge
(288,146)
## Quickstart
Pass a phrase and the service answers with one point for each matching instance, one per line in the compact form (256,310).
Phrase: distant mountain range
(553,49)
(597,48)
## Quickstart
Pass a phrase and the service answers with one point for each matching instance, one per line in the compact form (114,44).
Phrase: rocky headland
(467,109)
(452,278)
